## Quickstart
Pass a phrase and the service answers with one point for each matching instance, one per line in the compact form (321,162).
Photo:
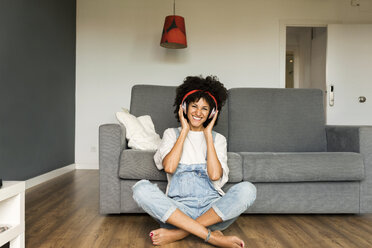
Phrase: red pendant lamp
(174,31)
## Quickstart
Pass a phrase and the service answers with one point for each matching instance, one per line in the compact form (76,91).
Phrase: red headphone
(213,112)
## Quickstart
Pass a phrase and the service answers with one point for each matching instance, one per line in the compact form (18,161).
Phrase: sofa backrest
(276,120)
(157,101)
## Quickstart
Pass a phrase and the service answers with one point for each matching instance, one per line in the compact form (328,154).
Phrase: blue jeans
(192,192)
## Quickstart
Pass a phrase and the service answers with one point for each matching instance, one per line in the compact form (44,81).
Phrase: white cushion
(140,131)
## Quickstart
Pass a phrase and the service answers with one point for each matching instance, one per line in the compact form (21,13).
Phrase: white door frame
(283,24)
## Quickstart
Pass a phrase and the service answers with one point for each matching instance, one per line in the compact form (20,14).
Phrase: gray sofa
(277,139)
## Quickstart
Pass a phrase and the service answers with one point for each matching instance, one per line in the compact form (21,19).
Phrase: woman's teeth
(196,118)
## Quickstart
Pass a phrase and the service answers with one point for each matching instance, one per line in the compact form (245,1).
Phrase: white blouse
(194,152)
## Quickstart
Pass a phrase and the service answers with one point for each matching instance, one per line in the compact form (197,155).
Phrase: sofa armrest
(355,139)
(111,143)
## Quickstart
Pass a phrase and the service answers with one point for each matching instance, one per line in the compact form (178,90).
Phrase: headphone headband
(193,91)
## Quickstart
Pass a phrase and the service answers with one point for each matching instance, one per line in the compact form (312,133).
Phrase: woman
(195,160)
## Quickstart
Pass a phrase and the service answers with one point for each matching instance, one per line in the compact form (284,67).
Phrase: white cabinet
(12,213)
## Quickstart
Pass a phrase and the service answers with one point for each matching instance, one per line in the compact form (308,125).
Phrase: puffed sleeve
(166,145)
(220,145)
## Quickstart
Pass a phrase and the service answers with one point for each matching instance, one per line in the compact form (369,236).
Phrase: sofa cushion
(157,101)
(276,120)
(298,167)
(235,164)
(137,164)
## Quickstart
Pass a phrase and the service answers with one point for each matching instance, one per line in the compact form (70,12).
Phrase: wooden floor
(63,212)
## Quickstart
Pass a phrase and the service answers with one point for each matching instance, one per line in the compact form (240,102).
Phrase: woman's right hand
(184,123)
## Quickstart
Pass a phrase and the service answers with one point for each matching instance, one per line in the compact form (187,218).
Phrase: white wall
(118,46)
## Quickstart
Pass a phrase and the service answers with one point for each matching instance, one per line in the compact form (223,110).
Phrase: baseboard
(87,166)
(48,176)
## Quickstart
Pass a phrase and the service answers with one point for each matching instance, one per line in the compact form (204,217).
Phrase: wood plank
(64,212)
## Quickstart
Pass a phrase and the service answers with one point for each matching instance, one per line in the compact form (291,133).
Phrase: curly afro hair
(210,84)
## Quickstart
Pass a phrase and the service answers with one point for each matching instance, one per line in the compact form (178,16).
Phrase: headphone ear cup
(184,107)
(212,113)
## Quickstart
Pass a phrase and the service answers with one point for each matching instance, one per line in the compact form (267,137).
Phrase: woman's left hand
(208,129)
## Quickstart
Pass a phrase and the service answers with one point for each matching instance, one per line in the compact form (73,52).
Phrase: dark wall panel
(37,86)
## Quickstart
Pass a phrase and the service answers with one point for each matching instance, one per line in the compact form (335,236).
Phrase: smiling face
(197,113)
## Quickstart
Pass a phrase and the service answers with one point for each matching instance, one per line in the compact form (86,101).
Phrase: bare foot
(164,236)
(226,241)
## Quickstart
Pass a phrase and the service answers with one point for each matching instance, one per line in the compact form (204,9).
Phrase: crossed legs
(161,207)
(163,236)
(188,225)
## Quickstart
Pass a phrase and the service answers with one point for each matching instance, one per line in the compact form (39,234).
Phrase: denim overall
(191,186)
(192,192)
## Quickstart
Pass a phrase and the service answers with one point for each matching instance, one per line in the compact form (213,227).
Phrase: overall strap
(177,131)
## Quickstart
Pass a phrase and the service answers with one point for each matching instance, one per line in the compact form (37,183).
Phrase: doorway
(346,56)
(306,49)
